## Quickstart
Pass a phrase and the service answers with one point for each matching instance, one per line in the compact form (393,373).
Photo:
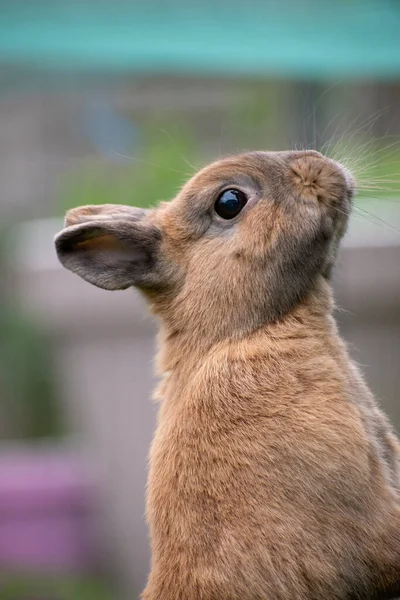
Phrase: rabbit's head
(242,243)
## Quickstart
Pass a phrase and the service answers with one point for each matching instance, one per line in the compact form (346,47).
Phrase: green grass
(20,587)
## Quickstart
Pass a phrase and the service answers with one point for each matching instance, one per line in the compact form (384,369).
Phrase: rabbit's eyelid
(249,190)
(244,183)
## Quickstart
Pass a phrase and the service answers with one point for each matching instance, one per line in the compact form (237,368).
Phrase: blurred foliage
(28,407)
(28,403)
(170,153)
(20,587)
(378,173)
(375,167)
(153,174)
(258,117)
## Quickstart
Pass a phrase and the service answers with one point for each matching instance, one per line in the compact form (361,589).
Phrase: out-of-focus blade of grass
(21,587)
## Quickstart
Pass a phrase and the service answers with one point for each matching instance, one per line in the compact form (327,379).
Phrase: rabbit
(273,474)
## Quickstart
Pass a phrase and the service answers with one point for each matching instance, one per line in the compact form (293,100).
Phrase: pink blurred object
(46,512)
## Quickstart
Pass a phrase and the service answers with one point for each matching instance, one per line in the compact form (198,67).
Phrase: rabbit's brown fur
(273,474)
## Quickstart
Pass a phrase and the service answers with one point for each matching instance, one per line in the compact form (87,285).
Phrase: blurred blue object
(296,38)
(113,135)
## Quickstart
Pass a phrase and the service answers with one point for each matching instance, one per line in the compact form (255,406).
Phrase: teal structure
(290,38)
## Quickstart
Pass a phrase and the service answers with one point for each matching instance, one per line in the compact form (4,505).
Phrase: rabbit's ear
(104,212)
(111,254)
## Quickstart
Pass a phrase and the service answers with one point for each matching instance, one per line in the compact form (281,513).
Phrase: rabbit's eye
(230,203)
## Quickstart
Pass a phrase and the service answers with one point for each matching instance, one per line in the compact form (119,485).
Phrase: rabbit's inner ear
(100,243)
(111,254)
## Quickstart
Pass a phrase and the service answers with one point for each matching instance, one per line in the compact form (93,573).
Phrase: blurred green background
(122,102)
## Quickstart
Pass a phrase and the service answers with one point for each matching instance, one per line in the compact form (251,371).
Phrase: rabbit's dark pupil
(230,203)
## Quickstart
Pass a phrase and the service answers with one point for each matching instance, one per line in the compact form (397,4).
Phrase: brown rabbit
(273,473)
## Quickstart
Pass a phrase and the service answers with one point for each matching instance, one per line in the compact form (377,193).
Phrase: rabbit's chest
(202,471)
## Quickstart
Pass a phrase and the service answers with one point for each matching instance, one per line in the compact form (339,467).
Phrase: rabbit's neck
(184,345)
